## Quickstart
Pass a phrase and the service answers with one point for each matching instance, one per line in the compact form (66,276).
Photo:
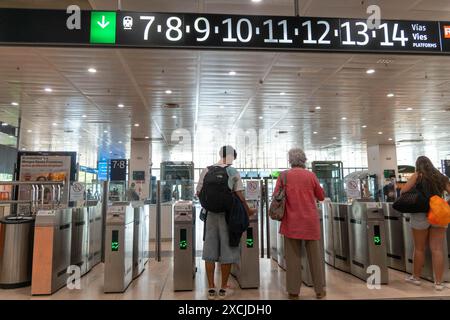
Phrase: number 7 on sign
(150,20)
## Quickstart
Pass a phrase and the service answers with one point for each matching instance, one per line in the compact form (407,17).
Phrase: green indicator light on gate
(114,246)
(183,244)
(103,27)
(249,243)
(377,240)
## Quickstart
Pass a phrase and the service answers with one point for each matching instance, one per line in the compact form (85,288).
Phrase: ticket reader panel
(367,238)
(247,271)
(119,247)
(184,267)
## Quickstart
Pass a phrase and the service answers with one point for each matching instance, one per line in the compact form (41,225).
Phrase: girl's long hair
(434,181)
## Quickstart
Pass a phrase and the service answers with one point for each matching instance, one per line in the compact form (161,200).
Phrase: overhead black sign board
(118,169)
(218,31)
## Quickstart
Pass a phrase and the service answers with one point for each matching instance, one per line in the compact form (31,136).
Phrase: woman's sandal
(321,295)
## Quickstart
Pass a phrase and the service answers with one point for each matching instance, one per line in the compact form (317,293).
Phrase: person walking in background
(301,223)
(430,182)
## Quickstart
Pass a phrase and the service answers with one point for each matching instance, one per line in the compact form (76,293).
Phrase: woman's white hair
(297,158)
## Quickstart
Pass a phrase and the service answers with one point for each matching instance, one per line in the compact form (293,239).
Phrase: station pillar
(382,161)
(139,170)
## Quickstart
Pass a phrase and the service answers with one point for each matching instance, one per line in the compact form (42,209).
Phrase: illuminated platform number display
(250,241)
(376,236)
(118,169)
(183,239)
(115,240)
(192,30)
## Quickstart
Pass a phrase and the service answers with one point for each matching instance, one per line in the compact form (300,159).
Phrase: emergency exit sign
(103,27)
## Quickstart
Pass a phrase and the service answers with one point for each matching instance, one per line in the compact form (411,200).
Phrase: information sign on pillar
(118,169)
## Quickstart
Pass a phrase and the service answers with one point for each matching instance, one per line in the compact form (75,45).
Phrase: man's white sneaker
(439,286)
(413,280)
(211,294)
(224,293)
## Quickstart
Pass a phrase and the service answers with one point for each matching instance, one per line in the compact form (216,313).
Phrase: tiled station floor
(156,283)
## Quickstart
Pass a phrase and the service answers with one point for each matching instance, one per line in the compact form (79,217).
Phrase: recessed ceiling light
(48,89)
(29,131)
(291,126)
(318,107)
(282,93)
(110,152)
(120,105)
(147,137)
(24,148)
(334,138)
(247,132)
(256,1)
(261,117)
(232,73)
(390,139)
(14,104)
(390,95)
(423,119)
(4,124)
(120,141)
(168,91)
(54,124)
(364,126)
(380,132)
(92,70)
(370,71)
(136,124)
(409,109)
(315,132)
(105,131)
(344,118)
(84,116)
(174,117)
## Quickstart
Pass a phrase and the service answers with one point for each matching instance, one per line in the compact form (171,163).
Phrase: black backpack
(216,195)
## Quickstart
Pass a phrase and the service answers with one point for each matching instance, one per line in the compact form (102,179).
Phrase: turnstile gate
(247,271)
(118,247)
(427,270)
(80,239)
(281,257)
(367,240)
(184,268)
(306,270)
(138,239)
(328,216)
(95,235)
(395,247)
(340,236)
(51,250)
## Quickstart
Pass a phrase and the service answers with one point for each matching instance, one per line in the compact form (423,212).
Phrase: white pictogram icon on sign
(127,23)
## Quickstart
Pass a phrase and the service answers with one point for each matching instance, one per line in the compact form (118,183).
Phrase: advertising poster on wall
(45,167)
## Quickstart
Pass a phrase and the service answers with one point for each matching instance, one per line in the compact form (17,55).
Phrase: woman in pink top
(301,223)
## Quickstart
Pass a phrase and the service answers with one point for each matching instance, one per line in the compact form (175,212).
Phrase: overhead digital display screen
(219,31)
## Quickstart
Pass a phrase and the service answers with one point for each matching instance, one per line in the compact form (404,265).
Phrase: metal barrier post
(266,191)
(105,200)
(158,221)
(261,224)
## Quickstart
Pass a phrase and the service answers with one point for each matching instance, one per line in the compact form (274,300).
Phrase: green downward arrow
(103,27)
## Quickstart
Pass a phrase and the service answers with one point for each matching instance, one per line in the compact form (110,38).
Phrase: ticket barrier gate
(328,218)
(274,228)
(140,238)
(80,239)
(16,251)
(281,257)
(247,271)
(184,268)
(51,250)
(367,240)
(395,247)
(95,238)
(427,270)
(306,270)
(340,236)
(118,247)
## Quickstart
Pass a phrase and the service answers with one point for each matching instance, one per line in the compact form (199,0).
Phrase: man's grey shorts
(216,247)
